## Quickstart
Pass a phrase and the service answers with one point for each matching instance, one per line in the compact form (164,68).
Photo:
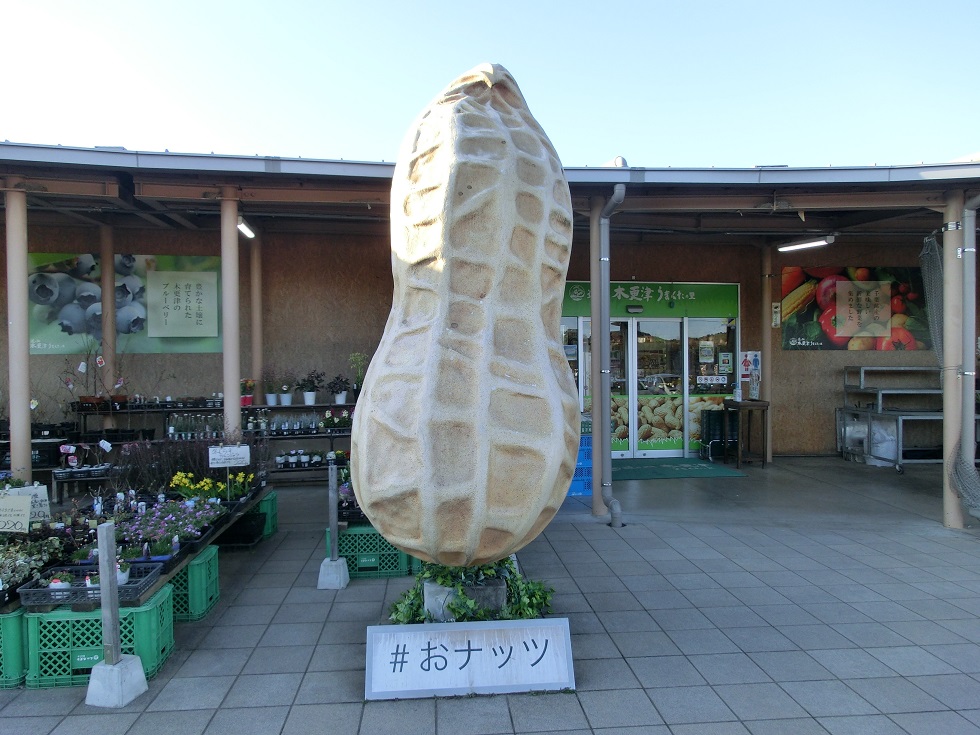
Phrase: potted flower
(309,385)
(287,383)
(122,571)
(271,383)
(339,387)
(358,363)
(248,388)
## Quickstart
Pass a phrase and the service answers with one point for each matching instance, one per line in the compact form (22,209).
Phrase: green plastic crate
(270,506)
(196,586)
(63,646)
(13,652)
(369,554)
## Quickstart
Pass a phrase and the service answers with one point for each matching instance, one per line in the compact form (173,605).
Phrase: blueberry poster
(66,303)
(853,308)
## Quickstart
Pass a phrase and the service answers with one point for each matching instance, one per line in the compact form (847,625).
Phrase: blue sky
(680,84)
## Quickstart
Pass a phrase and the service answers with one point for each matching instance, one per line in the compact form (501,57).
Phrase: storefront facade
(315,284)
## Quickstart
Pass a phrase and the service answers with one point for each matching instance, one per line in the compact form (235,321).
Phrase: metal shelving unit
(860,421)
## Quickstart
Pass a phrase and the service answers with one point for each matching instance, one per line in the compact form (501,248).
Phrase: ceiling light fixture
(244,228)
(812,242)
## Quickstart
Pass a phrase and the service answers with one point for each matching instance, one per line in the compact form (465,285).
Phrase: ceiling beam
(780,202)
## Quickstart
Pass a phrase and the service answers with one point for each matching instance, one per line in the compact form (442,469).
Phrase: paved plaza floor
(812,596)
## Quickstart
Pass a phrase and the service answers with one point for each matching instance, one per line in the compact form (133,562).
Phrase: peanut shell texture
(466,431)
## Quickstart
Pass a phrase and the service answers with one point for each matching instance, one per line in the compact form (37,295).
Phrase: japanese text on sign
(182,304)
(406,661)
(15,514)
(231,456)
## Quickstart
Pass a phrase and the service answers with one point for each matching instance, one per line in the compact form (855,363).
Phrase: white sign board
(231,456)
(40,505)
(452,659)
(15,514)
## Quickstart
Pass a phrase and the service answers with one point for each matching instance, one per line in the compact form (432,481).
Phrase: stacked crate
(582,479)
(196,587)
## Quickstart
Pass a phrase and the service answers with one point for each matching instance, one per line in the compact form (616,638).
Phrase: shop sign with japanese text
(452,659)
(651,300)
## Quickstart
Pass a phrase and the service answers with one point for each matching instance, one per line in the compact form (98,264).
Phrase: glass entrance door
(659,388)
(663,374)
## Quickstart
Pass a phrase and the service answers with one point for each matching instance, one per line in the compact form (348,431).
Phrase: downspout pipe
(605,386)
(969,326)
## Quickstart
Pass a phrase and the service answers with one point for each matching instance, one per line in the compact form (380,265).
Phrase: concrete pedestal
(333,575)
(116,685)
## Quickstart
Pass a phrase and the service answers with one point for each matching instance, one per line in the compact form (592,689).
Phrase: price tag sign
(15,514)
(40,505)
(67,448)
(236,456)
(106,446)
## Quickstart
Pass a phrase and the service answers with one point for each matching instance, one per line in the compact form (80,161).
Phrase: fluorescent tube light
(814,242)
(244,228)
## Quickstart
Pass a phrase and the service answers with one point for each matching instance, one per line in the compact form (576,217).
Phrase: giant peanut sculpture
(467,428)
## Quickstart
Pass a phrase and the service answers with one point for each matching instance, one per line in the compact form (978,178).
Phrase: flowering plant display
(22,561)
(338,384)
(186,486)
(333,419)
(248,386)
(168,519)
(237,486)
(311,382)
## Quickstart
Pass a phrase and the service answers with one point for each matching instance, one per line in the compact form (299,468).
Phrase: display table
(743,429)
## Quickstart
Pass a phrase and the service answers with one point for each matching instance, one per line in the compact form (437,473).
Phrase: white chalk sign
(40,505)
(15,514)
(230,456)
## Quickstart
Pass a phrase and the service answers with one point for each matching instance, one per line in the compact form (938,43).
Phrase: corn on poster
(853,308)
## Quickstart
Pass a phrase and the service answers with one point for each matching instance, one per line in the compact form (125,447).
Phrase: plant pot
(271,399)
(491,595)
(122,577)
(286,399)
(340,397)
(246,400)
(309,397)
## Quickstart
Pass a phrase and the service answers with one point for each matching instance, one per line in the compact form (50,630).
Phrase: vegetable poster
(853,308)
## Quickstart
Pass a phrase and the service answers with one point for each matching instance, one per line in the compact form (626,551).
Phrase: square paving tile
(198,692)
(253,721)
(665,671)
(894,694)
(827,698)
(678,705)
(728,668)
(622,708)
(911,661)
(760,702)
(471,716)
(790,665)
(535,713)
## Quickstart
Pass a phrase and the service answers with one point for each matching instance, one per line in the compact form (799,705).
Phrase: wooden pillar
(952,353)
(108,373)
(255,282)
(230,306)
(18,337)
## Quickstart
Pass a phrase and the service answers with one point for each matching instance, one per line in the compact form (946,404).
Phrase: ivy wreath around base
(526,599)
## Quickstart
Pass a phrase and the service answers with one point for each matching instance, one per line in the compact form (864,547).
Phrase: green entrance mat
(669,468)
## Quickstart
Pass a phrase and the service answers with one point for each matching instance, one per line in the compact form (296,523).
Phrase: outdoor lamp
(812,242)
(244,228)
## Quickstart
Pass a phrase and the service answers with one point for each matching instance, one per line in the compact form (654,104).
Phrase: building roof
(92,186)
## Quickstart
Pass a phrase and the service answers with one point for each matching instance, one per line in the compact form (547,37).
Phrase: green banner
(151,292)
(656,300)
